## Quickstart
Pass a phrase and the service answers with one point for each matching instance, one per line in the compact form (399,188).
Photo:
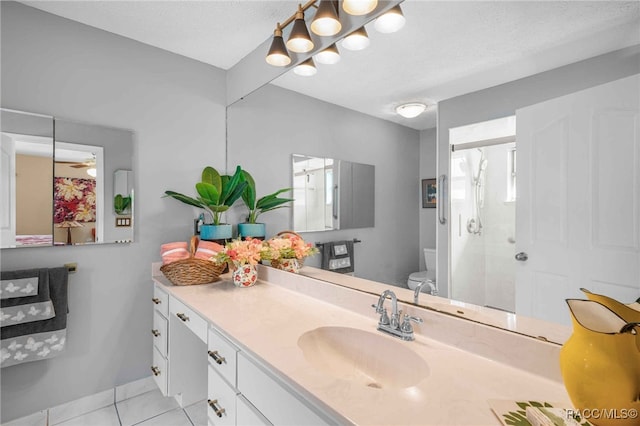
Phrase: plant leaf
(272,203)
(237,192)
(185,199)
(229,185)
(208,192)
(249,193)
(211,176)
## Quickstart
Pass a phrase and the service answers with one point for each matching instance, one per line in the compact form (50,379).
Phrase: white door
(578,199)
(7,192)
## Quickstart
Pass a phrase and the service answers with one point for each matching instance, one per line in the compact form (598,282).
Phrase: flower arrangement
(241,252)
(288,246)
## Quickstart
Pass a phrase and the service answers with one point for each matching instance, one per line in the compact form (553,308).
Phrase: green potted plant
(121,204)
(251,228)
(216,193)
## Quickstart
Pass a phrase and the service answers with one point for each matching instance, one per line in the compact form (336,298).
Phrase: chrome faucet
(433,289)
(392,325)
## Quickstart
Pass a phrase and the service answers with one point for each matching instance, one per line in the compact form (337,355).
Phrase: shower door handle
(522,256)
(441,198)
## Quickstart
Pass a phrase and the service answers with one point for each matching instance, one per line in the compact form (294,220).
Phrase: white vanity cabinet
(179,349)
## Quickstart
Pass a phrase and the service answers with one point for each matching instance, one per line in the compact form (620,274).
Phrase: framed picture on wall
(429,193)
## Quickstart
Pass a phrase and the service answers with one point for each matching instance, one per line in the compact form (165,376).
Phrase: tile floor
(147,409)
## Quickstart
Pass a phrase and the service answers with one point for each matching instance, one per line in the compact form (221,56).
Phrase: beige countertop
(267,320)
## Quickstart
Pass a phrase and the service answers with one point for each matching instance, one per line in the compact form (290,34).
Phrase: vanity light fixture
(278,55)
(299,39)
(391,21)
(411,110)
(326,22)
(92,172)
(359,7)
(357,40)
(329,56)
(306,68)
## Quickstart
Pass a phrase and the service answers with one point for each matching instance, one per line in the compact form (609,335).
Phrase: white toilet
(422,276)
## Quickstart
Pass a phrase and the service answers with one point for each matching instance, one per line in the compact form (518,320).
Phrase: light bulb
(359,7)
(328,56)
(357,40)
(391,21)
(306,68)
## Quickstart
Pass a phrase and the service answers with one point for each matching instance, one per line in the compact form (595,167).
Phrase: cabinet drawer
(220,397)
(159,332)
(159,370)
(192,320)
(247,415)
(160,300)
(222,356)
(268,395)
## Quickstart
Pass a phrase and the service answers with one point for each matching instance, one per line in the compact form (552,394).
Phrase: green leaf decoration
(523,405)
(211,176)
(249,193)
(535,404)
(208,192)
(185,199)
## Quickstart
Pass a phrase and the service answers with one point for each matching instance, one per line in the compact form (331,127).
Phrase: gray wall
(428,218)
(269,125)
(503,100)
(176,107)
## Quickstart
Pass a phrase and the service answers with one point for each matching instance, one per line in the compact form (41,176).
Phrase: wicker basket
(192,271)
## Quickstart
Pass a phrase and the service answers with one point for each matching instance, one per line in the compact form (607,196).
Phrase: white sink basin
(371,359)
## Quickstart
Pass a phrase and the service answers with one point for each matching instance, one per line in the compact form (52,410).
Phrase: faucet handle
(406,326)
(384,318)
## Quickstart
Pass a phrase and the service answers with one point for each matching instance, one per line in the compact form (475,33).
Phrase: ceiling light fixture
(306,68)
(357,40)
(326,22)
(299,39)
(359,7)
(411,110)
(391,21)
(329,56)
(278,55)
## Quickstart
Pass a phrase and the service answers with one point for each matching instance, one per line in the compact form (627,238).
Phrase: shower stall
(482,211)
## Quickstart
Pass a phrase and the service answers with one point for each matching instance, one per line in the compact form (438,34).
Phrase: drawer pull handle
(213,403)
(183,317)
(156,301)
(156,333)
(155,371)
(216,357)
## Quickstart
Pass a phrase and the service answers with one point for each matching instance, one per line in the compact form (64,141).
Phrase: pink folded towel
(171,252)
(207,249)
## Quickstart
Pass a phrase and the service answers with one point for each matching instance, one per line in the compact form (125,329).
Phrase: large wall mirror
(64,183)
(332,194)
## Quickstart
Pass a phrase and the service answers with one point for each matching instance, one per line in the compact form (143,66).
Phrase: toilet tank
(430,258)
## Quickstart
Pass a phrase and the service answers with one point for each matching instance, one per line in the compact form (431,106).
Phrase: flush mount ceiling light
(328,56)
(391,21)
(278,55)
(359,7)
(299,39)
(357,40)
(411,110)
(306,69)
(326,22)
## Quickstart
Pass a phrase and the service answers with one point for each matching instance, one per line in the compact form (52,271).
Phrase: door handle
(440,200)
(522,256)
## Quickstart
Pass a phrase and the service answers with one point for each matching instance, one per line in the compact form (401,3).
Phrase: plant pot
(244,275)
(253,230)
(223,231)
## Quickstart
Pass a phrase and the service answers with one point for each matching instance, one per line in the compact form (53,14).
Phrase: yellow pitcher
(628,312)
(600,365)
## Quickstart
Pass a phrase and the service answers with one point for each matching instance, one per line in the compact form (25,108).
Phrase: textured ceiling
(447,48)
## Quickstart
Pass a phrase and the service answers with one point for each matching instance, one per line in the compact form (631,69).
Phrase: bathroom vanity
(295,350)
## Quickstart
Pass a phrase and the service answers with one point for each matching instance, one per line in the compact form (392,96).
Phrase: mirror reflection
(60,187)
(26,179)
(332,194)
